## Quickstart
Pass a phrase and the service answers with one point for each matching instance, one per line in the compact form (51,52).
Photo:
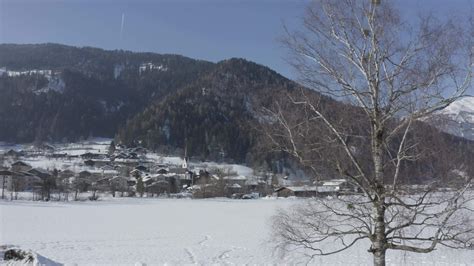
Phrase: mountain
(57,92)
(214,117)
(53,92)
(171,103)
(458,118)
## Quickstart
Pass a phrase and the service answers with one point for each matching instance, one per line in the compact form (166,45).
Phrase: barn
(297,191)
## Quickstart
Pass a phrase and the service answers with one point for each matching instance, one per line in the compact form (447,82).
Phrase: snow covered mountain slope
(458,118)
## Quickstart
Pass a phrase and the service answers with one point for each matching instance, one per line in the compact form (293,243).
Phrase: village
(90,170)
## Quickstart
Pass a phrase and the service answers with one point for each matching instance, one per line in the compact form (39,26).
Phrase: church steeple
(185,161)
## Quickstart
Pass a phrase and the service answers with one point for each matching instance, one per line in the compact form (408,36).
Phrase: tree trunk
(378,244)
(3,187)
(379,258)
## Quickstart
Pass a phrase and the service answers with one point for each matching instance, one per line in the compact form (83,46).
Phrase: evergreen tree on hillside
(140,186)
(112,148)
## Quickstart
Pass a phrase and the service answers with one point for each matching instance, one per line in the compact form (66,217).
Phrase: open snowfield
(170,231)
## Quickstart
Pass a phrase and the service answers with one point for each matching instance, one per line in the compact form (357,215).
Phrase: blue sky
(206,29)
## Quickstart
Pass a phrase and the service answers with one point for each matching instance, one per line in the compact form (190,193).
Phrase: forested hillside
(85,91)
(170,103)
(214,117)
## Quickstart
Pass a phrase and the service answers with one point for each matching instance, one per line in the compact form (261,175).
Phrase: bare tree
(391,74)
(63,186)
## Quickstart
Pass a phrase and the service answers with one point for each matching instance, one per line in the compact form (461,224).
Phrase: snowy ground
(170,231)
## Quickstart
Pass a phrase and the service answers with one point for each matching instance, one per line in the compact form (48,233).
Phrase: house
(139,150)
(122,155)
(297,191)
(6,182)
(13,153)
(136,173)
(82,181)
(162,171)
(160,168)
(332,187)
(148,180)
(251,184)
(234,189)
(59,155)
(44,147)
(39,172)
(336,186)
(101,162)
(90,155)
(142,168)
(236,179)
(257,184)
(119,181)
(89,163)
(26,182)
(20,166)
(85,174)
(183,174)
(178,170)
(66,174)
(119,146)
(159,187)
(109,167)
(172,180)
(17,181)
(203,177)
(131,182)
(103,181)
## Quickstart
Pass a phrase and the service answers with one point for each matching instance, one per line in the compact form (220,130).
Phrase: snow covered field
(170,231)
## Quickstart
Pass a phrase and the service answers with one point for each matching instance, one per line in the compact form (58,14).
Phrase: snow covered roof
(120,177)
(100,171)
(147,178)
(252,182)
(235,186)
(178,170)
(39,170)
(327,188)
(135,171)
(299,188)
(23,173)
(19,163)
(6,172)
(85,172)
(238,177)
(333,182)
(310,188)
